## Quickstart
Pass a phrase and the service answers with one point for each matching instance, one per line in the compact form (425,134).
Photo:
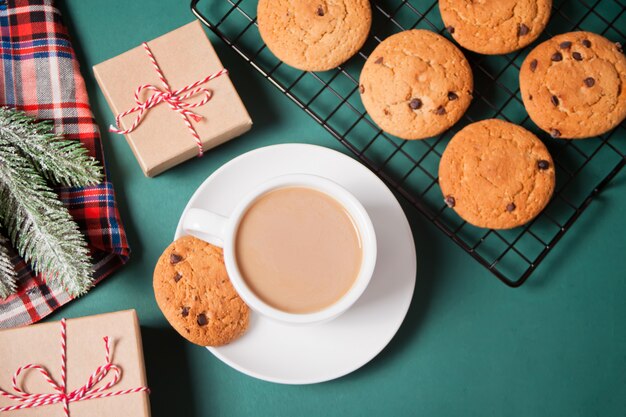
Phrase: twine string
(174,98)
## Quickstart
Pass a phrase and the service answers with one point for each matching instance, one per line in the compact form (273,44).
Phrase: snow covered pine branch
(36,223)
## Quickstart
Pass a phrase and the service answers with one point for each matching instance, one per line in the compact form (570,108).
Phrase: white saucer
(304,355)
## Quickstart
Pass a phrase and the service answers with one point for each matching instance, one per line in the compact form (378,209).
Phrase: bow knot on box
(175,99)
(175,76)
(60,395)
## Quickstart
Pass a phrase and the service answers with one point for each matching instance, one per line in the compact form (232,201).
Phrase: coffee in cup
(298,249)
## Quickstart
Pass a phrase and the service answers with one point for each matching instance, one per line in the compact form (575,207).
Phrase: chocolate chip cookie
(314,35)
(416,84)
(497,175)
(195,294)
(495,26)
(574,85)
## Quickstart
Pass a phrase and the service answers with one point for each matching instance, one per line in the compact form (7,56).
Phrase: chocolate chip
(379,60)
(556,57)
(415,103)
(510,207)
(202,319)
(554,100)
(387,112)
(450,29)
(555,133)
(452,95)
(175,258)
(530,97)
(577,56)
(320,11)
(533,65)
(450,201)
(178,276)
(589,81)
(619,47)
(565,45)
(440,110)
(542,164)
(184,311)
(522,30)
(586,43)
(361,89)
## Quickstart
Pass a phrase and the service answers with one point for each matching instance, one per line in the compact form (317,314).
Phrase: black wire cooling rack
(583,167)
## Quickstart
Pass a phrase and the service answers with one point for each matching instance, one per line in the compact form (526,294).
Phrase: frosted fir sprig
(8,276)
(39,226)
(61,161)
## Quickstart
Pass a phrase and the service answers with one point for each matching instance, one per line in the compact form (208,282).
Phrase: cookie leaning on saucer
(574,85)
(196,296)
(495,26)
(497,175)
(416,84)
(314,35)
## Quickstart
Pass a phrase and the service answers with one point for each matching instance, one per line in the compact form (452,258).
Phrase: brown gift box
(162,140)
(40,344)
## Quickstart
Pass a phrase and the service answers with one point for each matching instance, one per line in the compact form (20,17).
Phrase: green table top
(469,346)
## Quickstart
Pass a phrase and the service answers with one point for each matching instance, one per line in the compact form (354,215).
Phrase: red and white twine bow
(174,98)
(61,396)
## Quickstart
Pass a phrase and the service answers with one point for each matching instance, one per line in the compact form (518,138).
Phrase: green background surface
(469,346)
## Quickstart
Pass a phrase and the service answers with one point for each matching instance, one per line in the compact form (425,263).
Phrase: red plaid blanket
(39,73)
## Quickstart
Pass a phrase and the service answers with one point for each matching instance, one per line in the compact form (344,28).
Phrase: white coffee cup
(222,231)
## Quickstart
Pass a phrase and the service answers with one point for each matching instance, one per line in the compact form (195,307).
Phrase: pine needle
(38,224)
(8,276)
(61,161)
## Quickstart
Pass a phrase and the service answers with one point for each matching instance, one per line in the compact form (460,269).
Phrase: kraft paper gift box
(40,344)
(162,139)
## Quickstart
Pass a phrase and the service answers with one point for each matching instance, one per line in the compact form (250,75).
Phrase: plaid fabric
(39,74)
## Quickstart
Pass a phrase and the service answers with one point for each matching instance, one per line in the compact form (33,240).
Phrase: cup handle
(211,225)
